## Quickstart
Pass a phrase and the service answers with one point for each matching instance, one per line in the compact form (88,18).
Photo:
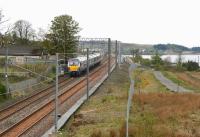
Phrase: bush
(157,62)
(191,66)
(2,91)
(2,62)
(146,62)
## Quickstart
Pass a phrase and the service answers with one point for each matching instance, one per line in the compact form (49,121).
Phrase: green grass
(173,77)
(146,81)
(13,78)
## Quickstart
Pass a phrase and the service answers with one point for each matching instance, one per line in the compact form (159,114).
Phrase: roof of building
(21,51)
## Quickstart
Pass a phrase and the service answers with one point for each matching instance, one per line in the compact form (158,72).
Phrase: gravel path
(168,83)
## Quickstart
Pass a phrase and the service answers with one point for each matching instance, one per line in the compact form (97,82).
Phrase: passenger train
(78,65)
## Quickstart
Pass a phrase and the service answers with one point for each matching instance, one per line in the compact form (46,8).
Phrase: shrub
(191,66)
(146,62)
(2,61)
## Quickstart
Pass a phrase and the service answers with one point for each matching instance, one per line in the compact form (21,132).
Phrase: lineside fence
(51,71)
(131,91)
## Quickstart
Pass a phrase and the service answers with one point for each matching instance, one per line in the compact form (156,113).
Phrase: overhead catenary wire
(33,72)
(32,85)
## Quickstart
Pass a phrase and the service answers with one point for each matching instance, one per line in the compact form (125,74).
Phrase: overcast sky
(136,21)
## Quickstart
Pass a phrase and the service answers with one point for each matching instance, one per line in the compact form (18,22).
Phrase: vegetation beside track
(189,80)
(2,92)
(156,112)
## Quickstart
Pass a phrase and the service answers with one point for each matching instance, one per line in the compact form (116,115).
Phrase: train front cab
(74,67)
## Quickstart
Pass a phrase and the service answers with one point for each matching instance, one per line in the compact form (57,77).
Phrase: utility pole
(87,73)
(109,55)
(56,95)
(116,53)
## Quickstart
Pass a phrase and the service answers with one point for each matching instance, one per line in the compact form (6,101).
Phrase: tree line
(62,36)
(157,63)
(174,47)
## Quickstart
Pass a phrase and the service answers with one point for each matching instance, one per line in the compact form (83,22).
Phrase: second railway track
(10,110)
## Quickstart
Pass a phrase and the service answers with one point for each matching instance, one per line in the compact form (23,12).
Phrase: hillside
(161,48)
(174,48)
(170,47)
(127,47)
(139,46)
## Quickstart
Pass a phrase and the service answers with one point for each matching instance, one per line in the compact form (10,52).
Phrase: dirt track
(168,83)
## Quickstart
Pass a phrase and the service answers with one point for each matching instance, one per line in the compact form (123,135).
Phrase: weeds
(97,134)
(155,111)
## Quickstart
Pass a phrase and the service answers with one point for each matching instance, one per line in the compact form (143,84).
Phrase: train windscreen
(73,62)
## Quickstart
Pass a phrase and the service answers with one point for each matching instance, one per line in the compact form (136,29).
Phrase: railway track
(32,119)
(14,108)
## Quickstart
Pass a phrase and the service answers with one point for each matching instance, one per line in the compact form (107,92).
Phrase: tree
(1,20)
(63,35)
(136,55)
(24,31)
(1,16)
(5,36)
(191,66)
(146,62)
(157,61)
(41,34)
(179,61)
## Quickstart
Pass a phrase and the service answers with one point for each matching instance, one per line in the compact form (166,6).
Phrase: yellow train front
(74,67)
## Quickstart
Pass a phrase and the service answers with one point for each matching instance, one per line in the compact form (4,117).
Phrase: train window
(61,61)
(74,62)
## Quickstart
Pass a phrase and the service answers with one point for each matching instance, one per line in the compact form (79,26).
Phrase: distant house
(22,54)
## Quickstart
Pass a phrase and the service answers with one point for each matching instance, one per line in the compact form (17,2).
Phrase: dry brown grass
(166,105)
(96,134)
(163,115)
(189,79)
(195,75)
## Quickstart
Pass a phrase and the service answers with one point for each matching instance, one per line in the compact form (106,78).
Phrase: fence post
(56,96)
(87,73)
(116,53)
(130,96)
(109,55)
(119,52)
(6,72)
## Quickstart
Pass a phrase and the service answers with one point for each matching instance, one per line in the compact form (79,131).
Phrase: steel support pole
(6,72)
(87,73)
(116,53)
(56,95)
(109,55)
(120,53)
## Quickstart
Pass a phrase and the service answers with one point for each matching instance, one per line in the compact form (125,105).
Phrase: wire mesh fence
(28,75)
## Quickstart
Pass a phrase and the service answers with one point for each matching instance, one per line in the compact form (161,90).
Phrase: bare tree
(23,29)
(5,37)
(41,34)
(1,18)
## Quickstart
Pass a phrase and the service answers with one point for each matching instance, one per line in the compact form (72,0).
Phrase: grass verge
(184,79)
(154,113)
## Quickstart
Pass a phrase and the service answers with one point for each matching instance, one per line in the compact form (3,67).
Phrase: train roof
(84,57)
